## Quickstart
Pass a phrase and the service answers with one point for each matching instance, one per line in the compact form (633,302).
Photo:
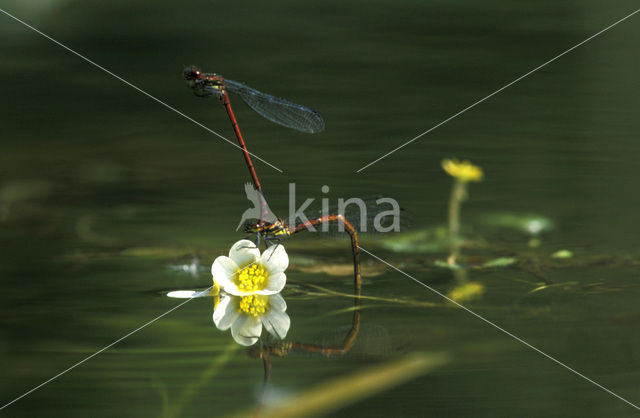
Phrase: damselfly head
(252,226)
(191,73)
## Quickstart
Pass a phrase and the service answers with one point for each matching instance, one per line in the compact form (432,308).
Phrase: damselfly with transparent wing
(275,109)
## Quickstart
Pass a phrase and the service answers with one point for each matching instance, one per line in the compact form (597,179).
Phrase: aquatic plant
(247,272)
(246,287)
(462,172)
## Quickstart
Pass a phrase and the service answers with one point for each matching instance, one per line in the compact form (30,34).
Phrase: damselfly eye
(251,226)
(191,72)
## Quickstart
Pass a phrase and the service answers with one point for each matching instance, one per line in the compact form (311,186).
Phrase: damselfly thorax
(267,229)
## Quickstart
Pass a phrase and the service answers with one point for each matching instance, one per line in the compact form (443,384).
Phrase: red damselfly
(275,109)
(369,214)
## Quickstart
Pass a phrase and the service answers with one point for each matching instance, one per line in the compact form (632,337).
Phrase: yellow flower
(464,171)
(466,291)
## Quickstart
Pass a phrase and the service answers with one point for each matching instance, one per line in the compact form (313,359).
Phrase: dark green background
(91,169)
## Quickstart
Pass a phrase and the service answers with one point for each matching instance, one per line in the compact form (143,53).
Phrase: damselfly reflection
(247,314)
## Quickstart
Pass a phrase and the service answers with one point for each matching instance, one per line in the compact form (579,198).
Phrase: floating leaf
(444,264)
(529,223)
(500,262)
(562,254)
(341,269)
(418,241)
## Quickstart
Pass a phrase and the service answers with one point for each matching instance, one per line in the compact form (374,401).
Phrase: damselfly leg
(355,248)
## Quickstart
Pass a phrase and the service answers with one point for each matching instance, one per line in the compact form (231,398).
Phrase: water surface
(103,192)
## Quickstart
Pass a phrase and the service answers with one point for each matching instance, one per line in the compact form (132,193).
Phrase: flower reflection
(246,315)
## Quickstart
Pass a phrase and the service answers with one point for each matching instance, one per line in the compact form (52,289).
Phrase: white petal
(246,330)
(223,270)
(276,323)
(225,313)
(183,294)
(244,252)
(275,285)
(275,259)
(277,303)
(233,290)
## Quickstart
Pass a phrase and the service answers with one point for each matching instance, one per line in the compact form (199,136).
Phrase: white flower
(246,315)
(246,272)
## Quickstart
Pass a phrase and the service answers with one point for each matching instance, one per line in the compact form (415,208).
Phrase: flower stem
(458,195)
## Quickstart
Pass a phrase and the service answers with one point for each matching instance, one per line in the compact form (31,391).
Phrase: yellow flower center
(253,305)
(464,170)
(251,278)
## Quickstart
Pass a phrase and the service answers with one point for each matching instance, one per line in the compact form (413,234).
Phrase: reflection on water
(247,298)
(246,315)
(101,189)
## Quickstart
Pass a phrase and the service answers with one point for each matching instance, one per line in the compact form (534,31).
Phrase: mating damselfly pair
(290,115)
